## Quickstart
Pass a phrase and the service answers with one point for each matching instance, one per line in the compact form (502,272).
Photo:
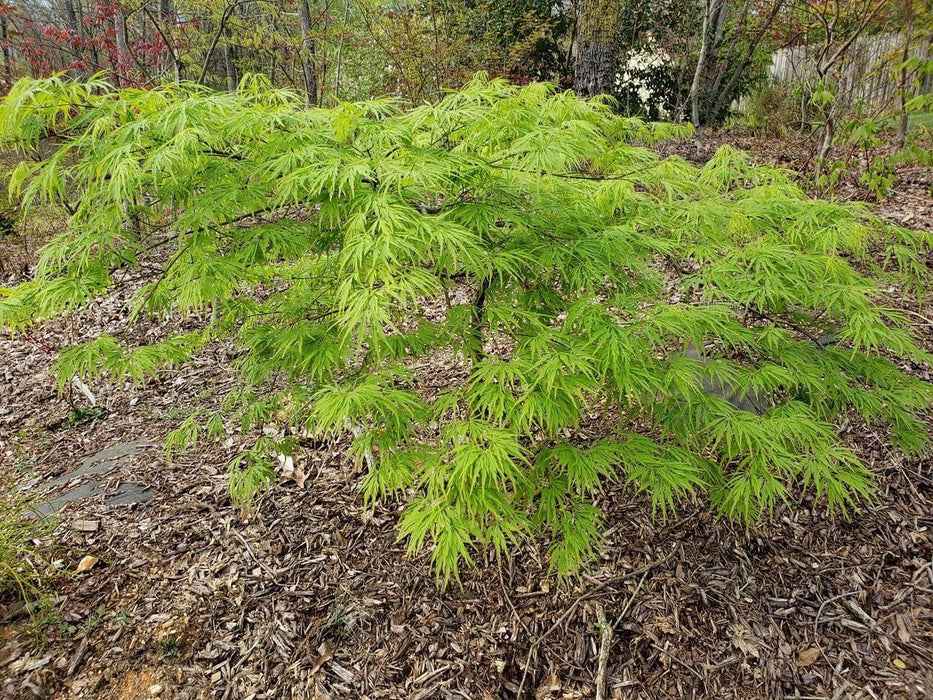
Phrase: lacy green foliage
(522,234)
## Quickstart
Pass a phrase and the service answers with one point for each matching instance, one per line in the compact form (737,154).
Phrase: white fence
(866,73)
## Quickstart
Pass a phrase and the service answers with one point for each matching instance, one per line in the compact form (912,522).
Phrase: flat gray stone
(53,505)
(99,464)
(129,493)
(747,401)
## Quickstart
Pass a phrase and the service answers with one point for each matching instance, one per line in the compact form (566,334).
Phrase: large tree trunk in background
(308,62)
(71,19)
(597,47)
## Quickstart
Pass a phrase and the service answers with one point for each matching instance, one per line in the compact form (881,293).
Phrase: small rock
(87,563)
(155,690)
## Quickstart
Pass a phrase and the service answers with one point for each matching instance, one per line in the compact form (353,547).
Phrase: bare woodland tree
(836,24)
(713,12)
(308,62)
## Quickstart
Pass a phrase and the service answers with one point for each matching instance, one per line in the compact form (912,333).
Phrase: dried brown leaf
(807,657)
(325,654)
(903,628)
(550,685)
(743,640)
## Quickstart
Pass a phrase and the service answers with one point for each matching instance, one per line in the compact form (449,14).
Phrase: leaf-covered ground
(312,596)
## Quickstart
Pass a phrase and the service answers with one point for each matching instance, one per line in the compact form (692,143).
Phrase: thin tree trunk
(926,83)
(711,7)
(221,30)
(477,352)
(7,60)
(229,65)
(71,18)
(827,111)
(905,78)
(339,67)
(747,58)
(720,25)
(119,29)
(308,57)
(166,17)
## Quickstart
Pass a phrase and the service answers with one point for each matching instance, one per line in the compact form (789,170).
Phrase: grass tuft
(23,565)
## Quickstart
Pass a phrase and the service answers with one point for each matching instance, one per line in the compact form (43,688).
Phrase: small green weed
(46,619)
(80,416)
(168,646)
(96,619)
(179,413)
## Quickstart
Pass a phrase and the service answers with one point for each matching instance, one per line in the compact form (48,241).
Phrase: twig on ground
(605,644)
(573,606)
(508,599)
(816,623)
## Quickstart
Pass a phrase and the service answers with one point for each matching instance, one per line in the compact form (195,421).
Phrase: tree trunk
(597,48)
(926,83)
(229,65)
(905,78)
(7,61)
(828,134)
(308,58)
(71,17)
(710,9)
(119,29)
(167,19)
(71,20)
(339,66)
(746,61)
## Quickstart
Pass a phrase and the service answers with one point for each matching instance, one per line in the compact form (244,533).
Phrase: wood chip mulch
(313,597)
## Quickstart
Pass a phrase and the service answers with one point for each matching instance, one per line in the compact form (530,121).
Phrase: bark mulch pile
(311,596)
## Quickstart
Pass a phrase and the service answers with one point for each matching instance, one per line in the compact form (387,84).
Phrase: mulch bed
(311,596)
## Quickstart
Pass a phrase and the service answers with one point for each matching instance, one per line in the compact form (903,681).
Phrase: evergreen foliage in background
(562,274)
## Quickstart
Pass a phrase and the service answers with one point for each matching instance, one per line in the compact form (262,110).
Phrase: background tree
(913,67)
(596,47)
(831,27)
(694,57)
